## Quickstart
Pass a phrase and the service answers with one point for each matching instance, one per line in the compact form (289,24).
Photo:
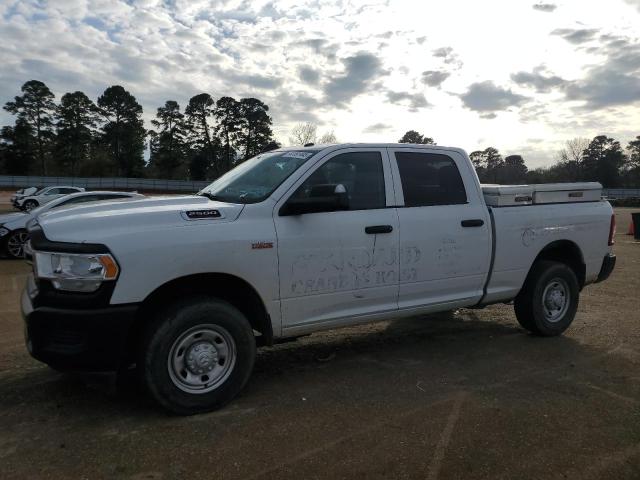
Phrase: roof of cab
(339,146)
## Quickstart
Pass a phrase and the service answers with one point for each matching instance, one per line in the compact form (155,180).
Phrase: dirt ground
(464,395)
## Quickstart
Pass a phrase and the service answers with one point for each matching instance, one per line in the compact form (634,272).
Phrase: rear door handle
(476,222)
(378,229)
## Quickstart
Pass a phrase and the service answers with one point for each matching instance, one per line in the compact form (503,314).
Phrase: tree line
(80,137)
(602,159)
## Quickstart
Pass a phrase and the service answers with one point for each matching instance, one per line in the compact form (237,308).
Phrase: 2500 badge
(201,214)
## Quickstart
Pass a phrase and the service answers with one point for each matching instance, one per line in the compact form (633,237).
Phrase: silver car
(13,230)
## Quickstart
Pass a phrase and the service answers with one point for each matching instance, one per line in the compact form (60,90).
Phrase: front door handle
(476,222)
(372,230)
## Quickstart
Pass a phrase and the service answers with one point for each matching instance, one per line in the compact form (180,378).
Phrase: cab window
(360,173)
(430,179)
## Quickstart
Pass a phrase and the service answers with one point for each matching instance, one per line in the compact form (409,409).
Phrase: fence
(616,193)
(106,183)
(151,184)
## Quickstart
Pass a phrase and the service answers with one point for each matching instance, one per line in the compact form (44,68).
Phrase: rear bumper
(608,264)
(78,339)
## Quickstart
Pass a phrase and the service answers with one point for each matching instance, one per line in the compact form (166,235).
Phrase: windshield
(59,203)
(254,180)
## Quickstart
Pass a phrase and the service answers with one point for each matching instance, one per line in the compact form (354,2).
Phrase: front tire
(29,205)
(198,355)
(548,302)
(15,243)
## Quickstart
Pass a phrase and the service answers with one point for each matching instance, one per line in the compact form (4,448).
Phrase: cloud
(443,52)
(605,88)
(612,82)
(540,82)
(544,7)
(309,75)
(359,73)
(320,46)
(377,128)
(576,36)
(446,53)
(415,100)
(486,97)
(256,80)
(634,3)
(309,60)
(434,78)
(448,56)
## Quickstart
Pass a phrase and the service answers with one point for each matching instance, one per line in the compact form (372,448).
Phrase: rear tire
(548,301)
(197,355)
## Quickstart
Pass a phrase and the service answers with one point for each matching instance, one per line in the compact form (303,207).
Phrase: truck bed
(537,194)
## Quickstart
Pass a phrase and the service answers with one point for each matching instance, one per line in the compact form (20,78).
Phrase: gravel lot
(461,395)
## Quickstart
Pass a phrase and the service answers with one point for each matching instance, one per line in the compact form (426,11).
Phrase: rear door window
(430,179)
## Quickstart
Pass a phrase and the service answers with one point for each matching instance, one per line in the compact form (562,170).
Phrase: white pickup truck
(294,241)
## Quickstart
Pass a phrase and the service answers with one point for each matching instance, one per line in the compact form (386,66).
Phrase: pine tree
(76,120)
(255,132)
(168,152)
(35,108)
(204,146)
(123,132)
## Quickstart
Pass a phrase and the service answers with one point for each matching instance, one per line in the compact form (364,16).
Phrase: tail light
(612,230)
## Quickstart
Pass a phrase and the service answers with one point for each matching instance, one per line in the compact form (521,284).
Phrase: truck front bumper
(90,340)
(608,264)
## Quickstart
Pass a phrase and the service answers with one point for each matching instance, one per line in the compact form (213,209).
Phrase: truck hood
(95,223)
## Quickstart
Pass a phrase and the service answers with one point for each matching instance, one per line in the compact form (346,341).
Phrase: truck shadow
(435,352)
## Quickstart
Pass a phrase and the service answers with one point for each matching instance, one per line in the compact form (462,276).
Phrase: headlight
(3,231)
(74,272)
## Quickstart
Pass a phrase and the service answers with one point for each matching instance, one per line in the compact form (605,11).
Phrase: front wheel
(198,355)
(29,205)
(549,299)
(16,242)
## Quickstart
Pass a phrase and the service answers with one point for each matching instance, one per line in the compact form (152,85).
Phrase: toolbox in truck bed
(536,194)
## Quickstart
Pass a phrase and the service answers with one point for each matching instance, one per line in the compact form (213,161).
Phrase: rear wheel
(198,355)
(15,243)
(30,205)
(549,299)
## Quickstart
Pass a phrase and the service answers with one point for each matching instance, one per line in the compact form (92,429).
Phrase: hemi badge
(202,214)
(575,194)
(261,245)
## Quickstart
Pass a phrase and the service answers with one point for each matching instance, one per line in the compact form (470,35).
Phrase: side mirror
(321,198)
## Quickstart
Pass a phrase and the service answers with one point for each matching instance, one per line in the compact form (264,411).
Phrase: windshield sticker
(302,155)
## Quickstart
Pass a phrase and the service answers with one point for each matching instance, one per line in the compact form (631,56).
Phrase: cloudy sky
(514,74)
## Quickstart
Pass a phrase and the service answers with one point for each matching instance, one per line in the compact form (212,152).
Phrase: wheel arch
(563,251)
(230,288)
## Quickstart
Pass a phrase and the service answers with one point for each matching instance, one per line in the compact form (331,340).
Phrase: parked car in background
(23,192)
(44,196)
(13,226)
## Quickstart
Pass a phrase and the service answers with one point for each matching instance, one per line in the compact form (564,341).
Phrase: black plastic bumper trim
(89,340)
(608,264)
